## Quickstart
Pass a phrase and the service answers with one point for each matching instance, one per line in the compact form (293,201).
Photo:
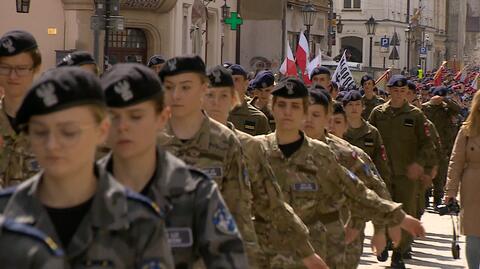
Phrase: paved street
(430,252)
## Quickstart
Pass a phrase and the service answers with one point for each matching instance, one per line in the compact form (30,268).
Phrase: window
(351,4)
(129,45)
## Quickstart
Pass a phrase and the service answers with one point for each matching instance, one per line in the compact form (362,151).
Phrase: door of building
(129,45)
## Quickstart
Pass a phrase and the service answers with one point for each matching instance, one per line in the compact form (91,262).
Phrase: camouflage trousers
(354,250)
(336,247)
(279,256)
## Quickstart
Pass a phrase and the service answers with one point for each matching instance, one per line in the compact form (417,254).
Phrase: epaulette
(131,195)
(34,233)
(8,191)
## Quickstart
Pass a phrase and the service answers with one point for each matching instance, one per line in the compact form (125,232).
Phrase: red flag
(301,57)
(437,79)
(288,67)
(461,75)
(383,79)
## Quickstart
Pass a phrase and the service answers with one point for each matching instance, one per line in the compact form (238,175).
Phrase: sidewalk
(434,251)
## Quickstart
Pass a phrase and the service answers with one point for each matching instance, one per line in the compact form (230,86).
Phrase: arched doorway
(129,45)
(355,46)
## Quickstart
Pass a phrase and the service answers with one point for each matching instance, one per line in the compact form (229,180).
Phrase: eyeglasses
(64,136)
(21,71)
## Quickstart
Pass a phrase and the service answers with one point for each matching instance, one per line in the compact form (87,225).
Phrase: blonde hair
(472,124)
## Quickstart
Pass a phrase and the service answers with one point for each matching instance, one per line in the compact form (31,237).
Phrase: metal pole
(105,46)
(96,45)
(408,55)
(371,48)
(307,34)
(408,12)
(238,39)
(384,62)
(329,37)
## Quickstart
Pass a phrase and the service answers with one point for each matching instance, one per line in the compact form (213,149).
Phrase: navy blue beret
(15,42)
(320,70)
(366,78)
(59,89)
(440,91)
(238,70)
(351,96)
(127,84)
(290,88)
(411,85)
(219,76)
(77,58)
(397,81)
(319,97)
(183,64)
(264,79)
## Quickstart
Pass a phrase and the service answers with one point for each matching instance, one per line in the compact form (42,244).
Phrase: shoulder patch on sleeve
(151,264)
(223,220)
(35,234)
(383,152)
(427,129)
(131,195)
(351,175)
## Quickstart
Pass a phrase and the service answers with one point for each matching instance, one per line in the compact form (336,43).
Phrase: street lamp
(371,26)
(408,36)
(309,12)
(225,11)
(339,25)
(23,6)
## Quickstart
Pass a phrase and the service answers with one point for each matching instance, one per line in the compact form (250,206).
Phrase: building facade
(167,27)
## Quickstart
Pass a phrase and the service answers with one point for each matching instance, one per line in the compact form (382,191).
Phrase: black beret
(238,70)
(351,96)
(319,97)
(77,58)
(340,95)
(227,64)
(320,70)
(338,108)
(264,79)
(155,59)
(397,81)
(291,88)
(440,91)
(183,64)
(127,84)
(59,89)
(366,78)
(411,85)
(15,42)
(219,76)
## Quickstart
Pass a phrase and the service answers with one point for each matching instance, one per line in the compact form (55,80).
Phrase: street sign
(394,54)
(234,21)
(423,52)
(384,44)
(395,40)
(115,23)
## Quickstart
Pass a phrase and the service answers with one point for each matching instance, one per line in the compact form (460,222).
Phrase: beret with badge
(290,88)
(238,70)
(440,91)
(77,58)
(155,59)
(319,97)
(59,89)
(397,81)
(127,84)
(351,96)
(219,76)
(263,79)
(366,78)
(15,42)
(412,86)
(319,71)
(183,64)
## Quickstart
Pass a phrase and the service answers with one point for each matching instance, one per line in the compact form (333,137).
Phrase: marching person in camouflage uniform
(370,99)
(95,219)
(245,117)
(262,86)
(196,214)
(319,112)
(406,136)
(273,217)
(312,181)
(206,144)
(20,61)
(24,246)
(365,136)
(441,110)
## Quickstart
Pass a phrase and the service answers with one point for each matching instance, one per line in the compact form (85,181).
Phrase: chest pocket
(98,264)
(249,125)
(368,142)
(304,188)
(407,130)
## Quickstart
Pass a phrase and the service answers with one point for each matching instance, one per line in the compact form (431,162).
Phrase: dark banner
(473,16)
(261,9)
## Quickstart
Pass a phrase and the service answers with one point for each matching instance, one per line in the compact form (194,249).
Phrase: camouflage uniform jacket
(217,152)
(249,119)
(17,163)
(197,218)
(370,104)
(122,229)
(24,246)
(274,218)
(368,138)
(314,183)
(406,135)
